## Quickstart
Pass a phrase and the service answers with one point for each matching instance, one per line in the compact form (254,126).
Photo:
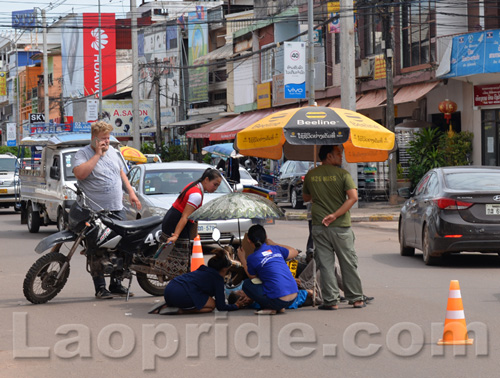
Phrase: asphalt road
(76,335)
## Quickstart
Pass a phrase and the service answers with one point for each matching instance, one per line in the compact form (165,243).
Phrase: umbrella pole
(239,231)
(314,283)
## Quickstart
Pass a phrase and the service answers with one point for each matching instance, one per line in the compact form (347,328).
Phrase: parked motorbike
(123,248)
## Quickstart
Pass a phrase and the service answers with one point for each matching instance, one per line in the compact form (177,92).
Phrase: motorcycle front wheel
(40,284)
(151,284)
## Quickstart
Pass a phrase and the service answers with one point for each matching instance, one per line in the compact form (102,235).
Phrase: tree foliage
(432,148)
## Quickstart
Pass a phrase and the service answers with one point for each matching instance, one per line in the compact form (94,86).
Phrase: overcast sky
(120,7)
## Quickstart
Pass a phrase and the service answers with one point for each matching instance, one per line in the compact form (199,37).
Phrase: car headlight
(69,194)
(157,211)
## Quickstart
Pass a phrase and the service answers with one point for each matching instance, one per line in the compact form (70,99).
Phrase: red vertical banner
(91,53)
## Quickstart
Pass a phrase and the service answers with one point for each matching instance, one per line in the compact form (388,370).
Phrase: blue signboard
(81,127)
(25,19)
(475,53)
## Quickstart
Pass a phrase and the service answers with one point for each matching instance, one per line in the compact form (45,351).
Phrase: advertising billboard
(91,49)
(295,70)
(198,47)
(118,113)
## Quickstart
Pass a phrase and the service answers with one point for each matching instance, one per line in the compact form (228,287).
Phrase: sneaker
(120,290)
(102,293)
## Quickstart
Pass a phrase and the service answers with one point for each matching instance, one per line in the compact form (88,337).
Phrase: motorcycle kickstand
(128,288)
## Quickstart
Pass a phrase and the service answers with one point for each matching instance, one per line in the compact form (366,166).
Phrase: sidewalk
(366,212)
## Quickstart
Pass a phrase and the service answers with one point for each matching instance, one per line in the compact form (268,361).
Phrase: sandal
(359,304)
(265,312)
(157,307)
(169,311)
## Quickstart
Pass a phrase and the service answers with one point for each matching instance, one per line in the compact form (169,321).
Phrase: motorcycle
(111,246)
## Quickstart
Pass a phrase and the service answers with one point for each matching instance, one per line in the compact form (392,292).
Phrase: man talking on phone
(100,175)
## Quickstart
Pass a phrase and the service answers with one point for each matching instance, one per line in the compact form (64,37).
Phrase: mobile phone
(94,142)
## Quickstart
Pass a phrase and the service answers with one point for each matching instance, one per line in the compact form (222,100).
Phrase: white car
(246,178)
(7,177)
(158,185)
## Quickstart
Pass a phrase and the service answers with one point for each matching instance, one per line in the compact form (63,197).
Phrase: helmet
(77,217)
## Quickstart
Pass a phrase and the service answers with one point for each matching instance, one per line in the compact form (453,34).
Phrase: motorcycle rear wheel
(150,284)
(39,284)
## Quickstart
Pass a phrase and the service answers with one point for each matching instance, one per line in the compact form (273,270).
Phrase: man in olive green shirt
(333,193)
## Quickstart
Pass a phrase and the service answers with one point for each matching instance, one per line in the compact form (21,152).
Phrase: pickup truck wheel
(33,220)
(61,223)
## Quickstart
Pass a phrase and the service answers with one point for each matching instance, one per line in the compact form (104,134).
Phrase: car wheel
(295,201)
(427,250)
(33,220)
(403,249)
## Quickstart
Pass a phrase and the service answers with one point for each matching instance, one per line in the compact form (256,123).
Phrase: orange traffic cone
(455,329)
(197,256)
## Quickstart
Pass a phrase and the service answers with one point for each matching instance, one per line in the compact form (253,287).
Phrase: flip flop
(157,307)
(169,311)
(265,312)
(359,305)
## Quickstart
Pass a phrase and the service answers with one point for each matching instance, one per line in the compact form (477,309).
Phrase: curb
(375,218)
(354,218)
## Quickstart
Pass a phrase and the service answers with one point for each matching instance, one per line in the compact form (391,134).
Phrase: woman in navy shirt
(194,292)
(278,289)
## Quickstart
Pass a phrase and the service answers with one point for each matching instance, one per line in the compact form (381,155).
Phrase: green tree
(174,153)
(432,148)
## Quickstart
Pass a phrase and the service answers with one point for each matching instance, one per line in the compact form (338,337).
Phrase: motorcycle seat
(136,224)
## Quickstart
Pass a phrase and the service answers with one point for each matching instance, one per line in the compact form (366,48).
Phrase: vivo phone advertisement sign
(91,47)
(295,70)
(11,135)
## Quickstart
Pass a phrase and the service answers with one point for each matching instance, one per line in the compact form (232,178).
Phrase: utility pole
(45,70)
(136,133)
(310,56)
(100,62)
(157,109)
(389,110)
(348,87)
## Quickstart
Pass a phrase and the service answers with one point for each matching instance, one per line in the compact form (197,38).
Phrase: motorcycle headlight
(157,211)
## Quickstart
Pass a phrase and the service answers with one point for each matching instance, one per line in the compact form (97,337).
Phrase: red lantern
(447,107)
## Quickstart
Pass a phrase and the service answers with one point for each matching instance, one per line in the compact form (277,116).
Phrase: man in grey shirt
(99,172)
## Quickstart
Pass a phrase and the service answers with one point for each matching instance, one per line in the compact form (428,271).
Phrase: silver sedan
(158,185)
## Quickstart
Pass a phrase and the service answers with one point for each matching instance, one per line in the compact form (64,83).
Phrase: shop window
(490,128)
(418,31)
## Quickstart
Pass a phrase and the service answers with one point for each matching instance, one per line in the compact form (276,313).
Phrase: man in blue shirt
(276,288)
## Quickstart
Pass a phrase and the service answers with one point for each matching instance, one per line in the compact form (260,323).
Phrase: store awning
(230,129)
(205,130)
(223,52)
(413,92)
(371,99)
(189,122)
(335,103)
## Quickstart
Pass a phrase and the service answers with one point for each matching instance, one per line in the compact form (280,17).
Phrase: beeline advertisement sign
(91,53)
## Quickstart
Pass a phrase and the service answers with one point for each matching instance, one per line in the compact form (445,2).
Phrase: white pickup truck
(42,195)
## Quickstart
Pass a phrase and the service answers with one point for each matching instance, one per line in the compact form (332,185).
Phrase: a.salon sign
(295,70)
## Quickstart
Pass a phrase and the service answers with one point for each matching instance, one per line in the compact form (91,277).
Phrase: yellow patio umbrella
(132,154)
(296,132)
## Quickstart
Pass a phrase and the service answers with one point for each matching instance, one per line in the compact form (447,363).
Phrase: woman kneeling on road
(276,288)
(194,292)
